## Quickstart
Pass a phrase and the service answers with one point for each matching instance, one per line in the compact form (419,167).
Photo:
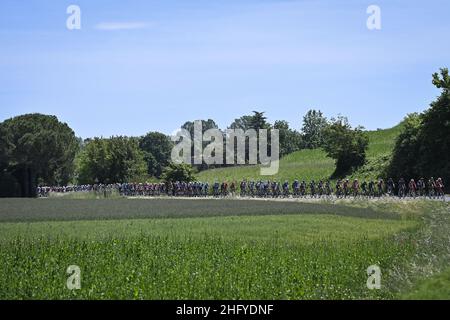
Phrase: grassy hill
(313,164)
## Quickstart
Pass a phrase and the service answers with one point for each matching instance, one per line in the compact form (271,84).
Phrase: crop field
(190,249)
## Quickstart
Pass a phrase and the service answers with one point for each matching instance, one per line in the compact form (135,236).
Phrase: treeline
(38,149)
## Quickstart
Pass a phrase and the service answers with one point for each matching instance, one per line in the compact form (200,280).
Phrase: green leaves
(313,125)
(178,172)
(117,159)
(157,148)
(423,148)
(37,147)
(344,144)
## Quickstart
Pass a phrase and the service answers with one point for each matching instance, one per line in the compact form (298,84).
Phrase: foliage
(157,148)
(9,186)
(178,172)
(313,125)
(4,148)
(206,125)
(404,158)
(423,148)
(290,140)
(255,121)
(37,148)
(117,159)
(344,144)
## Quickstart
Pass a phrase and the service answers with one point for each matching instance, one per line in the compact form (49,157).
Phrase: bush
(346,145)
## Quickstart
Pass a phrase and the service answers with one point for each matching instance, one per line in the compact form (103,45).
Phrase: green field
(313,164)
(143,249)
(436,287)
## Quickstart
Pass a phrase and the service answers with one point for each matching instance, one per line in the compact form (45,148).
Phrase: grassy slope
(381,143)
(312,164)
(305,164)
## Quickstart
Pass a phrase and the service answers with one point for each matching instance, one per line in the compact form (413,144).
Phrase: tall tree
(435,131)
(4,148)
(256,121)
(313,125)
(243,123)
(206,125)
(290,140)
(41,149)
(423,148)
(407,149)
(344,144)
(259,121)
(157,148)
(113,160)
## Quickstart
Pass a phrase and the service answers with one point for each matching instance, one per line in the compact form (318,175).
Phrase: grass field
(313,164)
(436,287)
(145,249)
(81,209)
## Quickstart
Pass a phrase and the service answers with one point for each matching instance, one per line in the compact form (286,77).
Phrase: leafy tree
(344,144)
(255,121)
(434,137)
(407,148)
(313,125)
(113,160)
(206,125)
(259,121)
(4,149)
(423,148)
(442,80)
(38,148)
(157,148)
(290,140)
(178,172)
(243,123)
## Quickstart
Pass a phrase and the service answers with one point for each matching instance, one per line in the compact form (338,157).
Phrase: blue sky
(139,66)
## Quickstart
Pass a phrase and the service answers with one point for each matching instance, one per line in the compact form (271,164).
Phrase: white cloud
(112,26)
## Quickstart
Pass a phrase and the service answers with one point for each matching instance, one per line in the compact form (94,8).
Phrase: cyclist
(312,187)
(439,188)
(346,188)
(286,188)
(296,188)
(355,188)
(338,188)
(364,188)
(380,187)
(390,187)
(431,187)
(412,188)
(401,187)
(328,188)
